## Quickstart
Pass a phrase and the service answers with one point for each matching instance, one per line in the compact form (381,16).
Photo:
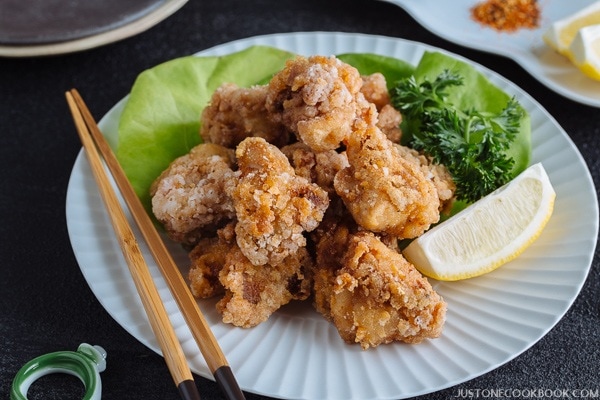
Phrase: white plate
(452,21)
(296,353)
(79,32)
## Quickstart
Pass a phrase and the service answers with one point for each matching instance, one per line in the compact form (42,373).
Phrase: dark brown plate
(28,22)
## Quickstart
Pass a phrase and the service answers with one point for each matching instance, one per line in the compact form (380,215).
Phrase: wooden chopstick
(188,306)
(153,305)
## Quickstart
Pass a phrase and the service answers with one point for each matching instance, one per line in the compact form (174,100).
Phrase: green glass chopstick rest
(86,364)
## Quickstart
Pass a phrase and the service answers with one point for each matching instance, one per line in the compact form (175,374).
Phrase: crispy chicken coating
(331,240)
(235,113)
(273,206)
(254,292)
(318,98)
(376,296)
(374,89)
(207,260)
(389,120)
(438,173)
(384,192)
(189,198)
(319,168)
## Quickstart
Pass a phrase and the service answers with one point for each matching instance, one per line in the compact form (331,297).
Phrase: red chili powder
(507,15)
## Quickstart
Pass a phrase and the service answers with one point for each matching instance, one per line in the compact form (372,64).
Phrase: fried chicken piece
(438,173)
(318,98)
(254,292)
(389,120)
(235,113)
(319,168)
(331,242)
(302,159)
(375,90)
(377,296)
(383,191)
(207,260)
(273,206)
(189,198)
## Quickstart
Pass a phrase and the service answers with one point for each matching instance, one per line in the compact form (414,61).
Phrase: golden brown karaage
(235,113)
(318,98)
(383,191)
(317,167)
(375,90)
(273,205)
(376,296)
(438,173)
(254,292)
(207,260)
(190,198)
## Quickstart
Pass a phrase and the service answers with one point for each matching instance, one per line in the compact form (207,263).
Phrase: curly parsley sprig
(470,143)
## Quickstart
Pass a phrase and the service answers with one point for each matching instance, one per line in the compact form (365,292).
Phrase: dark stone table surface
(45,303)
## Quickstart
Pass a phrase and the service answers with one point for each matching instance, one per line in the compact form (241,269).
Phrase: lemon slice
(488,233)
(561,33)
(584,51)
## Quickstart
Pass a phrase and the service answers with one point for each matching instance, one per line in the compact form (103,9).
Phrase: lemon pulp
(489,233)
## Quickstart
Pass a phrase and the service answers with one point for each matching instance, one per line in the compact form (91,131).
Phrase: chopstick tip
(228,384)
(188,390)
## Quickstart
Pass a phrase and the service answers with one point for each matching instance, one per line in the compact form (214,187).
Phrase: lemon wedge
(561,33)
(584,51)
(488,233)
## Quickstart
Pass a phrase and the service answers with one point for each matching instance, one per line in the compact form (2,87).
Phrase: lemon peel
(489,233)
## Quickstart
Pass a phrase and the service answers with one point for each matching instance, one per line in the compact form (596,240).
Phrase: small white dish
(451,20)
